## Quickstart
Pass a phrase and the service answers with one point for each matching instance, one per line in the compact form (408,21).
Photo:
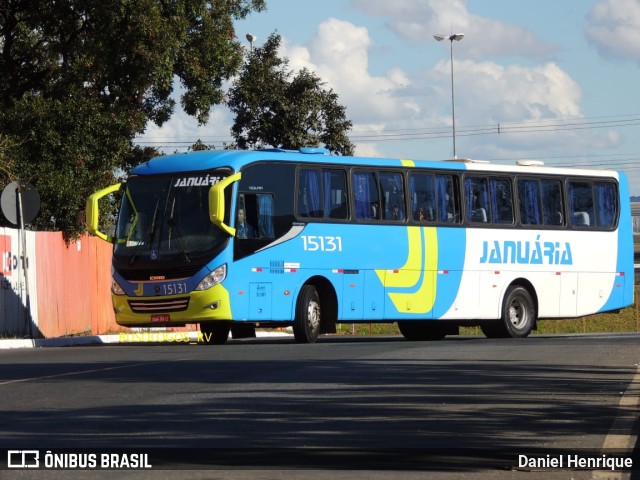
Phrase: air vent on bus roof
(307,150)
(314,151)
(529,163)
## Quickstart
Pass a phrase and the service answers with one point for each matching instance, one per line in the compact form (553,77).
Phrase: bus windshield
(167,218)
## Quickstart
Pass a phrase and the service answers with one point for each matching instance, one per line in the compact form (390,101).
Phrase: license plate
(164,318)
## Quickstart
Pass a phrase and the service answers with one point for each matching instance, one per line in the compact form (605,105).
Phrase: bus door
(363,296)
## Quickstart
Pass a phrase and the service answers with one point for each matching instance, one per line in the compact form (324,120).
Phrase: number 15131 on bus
(315,243)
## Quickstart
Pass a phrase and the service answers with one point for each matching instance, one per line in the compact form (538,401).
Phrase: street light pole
(251,38)
(457,37)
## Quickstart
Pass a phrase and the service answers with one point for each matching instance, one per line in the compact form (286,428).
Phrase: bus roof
(236,159)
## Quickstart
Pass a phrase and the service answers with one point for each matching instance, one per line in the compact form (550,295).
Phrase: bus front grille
(159,306)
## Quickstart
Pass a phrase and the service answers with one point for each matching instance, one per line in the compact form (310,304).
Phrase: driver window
(254,216)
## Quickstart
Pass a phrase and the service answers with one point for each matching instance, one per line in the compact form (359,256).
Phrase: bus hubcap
(517,314)
(313,315)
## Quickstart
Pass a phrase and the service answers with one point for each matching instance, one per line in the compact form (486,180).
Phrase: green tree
(273,107)
(6,163)
(79,79)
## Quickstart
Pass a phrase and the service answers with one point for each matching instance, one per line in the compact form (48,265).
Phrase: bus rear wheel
(518,315)
(306,325)
(420,330)
(215,333)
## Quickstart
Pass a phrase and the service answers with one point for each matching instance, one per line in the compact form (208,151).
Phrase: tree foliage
(79,79)
(273,107)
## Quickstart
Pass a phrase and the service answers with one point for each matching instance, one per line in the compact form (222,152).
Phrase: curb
(57,342)
(105,340)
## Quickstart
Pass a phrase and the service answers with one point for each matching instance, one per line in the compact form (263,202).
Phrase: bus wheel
(494,329)
(518,312)
(243,330)
(215,333)
(306,325)
(417,330)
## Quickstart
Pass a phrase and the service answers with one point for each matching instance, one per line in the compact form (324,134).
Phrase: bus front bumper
(172,310)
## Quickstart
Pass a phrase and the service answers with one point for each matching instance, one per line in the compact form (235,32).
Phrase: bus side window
(580,204)
(366,196)
(477,199)
(265,215)
(310,193)
(434,198)
(448,200)
(258,213)
(422,192)
(392,196)
(501,200)
(529,199)
(322,194)
(606,197)
(248,203)
(335,194)
(552,205)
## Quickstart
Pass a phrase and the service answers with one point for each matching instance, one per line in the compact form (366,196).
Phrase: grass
(628,320)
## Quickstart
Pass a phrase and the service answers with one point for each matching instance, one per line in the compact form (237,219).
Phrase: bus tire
(518,312)
(494,329)
(306,325)
(215,333)
(421,330)
(243,330)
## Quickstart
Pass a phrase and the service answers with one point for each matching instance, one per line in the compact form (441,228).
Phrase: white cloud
(339,55)
(401,106)
(537,108)
(614,28)
(512,93)
(418,20)
(408,105)
(368,150)
(182,130)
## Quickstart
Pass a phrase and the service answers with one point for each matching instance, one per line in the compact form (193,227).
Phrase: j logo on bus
(527,252)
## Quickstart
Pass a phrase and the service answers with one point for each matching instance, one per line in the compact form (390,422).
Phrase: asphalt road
(457,406)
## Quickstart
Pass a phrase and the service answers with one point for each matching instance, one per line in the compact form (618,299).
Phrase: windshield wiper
(151,234)
(171,222)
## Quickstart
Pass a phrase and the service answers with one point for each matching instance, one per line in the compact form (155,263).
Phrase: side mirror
(217,204)
(93,213)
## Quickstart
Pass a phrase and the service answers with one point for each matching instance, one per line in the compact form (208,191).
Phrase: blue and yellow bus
(307,239)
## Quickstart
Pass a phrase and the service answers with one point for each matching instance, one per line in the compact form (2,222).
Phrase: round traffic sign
(10,203)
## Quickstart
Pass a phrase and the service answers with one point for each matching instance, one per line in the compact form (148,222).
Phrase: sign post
(20,203)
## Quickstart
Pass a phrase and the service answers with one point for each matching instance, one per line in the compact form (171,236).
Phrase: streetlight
(251,38)
(457,37)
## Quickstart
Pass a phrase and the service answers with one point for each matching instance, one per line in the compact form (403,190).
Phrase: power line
(496,129)
(529,126)
(576,123)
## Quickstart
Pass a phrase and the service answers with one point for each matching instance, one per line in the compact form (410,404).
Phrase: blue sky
(557,79)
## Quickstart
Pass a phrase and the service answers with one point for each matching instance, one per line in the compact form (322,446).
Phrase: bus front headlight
(214,278)
(116,288)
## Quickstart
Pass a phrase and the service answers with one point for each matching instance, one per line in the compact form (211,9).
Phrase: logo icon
(23,458)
